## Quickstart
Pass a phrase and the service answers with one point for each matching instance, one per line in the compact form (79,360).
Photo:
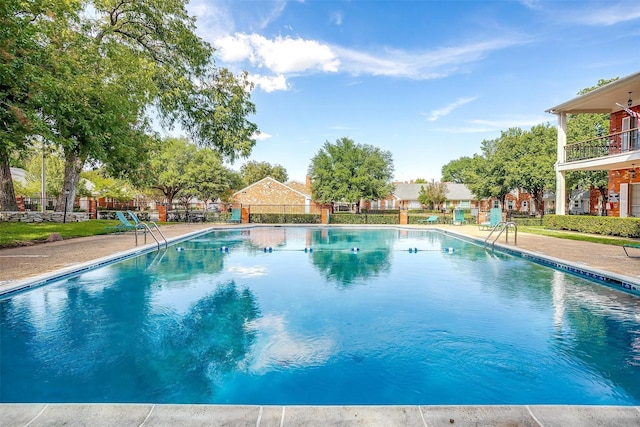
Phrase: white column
(561,208)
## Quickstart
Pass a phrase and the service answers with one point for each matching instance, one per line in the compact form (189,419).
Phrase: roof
(271,180)
(458,192)
(604,98)
(454,191)
(298,186)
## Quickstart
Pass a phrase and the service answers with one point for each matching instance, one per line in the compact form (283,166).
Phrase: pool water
(322,316)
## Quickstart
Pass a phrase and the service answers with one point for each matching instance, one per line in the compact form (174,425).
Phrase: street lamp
(66,194)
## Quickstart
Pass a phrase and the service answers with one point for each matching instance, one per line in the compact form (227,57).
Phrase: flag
(630,112)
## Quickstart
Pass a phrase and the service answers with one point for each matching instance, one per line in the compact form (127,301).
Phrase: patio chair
(631,246)
(433,219)
(495,217)
(236,217)
(458,217)
(126,225)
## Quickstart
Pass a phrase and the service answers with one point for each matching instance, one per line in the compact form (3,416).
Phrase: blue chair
(458,217)
(495,217)
(433,219)
(125,225)
(236,216)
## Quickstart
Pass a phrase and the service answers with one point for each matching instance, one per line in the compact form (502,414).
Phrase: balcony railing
(615,143)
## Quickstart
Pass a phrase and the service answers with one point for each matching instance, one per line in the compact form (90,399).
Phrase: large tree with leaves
(350,172)
(255,171)
(433,194)
(109,66)
(26,28)
(529,158)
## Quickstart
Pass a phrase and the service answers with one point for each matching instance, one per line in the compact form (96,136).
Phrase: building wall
(268,192)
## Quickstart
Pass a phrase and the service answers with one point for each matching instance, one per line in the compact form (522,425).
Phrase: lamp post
(66,194)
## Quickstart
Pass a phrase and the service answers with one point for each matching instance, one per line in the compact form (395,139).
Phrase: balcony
(603,146)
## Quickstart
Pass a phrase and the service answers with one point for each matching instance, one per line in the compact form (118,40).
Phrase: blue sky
(425,80)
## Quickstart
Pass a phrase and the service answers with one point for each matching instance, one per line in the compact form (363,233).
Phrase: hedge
(277,218)
(606,225)
(363,218)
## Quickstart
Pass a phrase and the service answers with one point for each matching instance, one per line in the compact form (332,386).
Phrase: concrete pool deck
(30,262)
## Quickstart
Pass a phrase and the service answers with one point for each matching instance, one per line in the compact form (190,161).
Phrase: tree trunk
(7,195)
(72,167)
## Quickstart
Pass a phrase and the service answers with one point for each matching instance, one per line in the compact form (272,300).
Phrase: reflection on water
(381,325)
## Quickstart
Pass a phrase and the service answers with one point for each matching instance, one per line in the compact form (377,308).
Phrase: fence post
(404,217)
(162,213)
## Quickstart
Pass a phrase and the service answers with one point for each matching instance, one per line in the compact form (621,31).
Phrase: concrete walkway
(29,262)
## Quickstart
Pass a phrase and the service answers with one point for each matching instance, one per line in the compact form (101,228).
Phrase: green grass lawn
(17,233)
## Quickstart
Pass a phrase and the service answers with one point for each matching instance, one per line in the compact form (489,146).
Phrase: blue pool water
(335,325)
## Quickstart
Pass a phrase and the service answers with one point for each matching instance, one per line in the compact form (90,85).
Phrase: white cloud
(280,55)
(269,84)
(436,114)
(606,14)
(482,126)
(261,136)
(336,18)
(419,65)
(285,56)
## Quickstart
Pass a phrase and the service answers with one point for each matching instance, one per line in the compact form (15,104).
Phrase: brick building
(618,152)
(271,196)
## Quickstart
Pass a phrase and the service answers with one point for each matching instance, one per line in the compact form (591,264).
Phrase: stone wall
(43,217)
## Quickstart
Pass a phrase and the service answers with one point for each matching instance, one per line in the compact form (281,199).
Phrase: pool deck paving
(26,264)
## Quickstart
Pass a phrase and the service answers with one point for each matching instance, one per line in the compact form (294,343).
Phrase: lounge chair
(631,246)
(495,217)
(433,219)
(236,217)
(458,217)
(126,225)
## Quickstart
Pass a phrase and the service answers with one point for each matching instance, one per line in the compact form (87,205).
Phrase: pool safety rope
(355,249)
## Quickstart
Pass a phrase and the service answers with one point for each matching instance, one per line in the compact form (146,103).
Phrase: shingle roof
(454,191)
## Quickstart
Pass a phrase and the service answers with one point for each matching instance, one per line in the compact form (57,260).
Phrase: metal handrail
(503,226)
(146,226)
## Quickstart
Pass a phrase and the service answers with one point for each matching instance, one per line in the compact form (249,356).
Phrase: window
(525,206)
(496,203)
(510,205)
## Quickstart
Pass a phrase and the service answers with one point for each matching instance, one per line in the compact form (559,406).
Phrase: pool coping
(32,414)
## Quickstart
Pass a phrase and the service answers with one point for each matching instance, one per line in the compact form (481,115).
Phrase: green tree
(529,158)
(255,171)
(460,171)
(170,167)
(109,66)
(207,178)
(350,172)
(433,194)
(489,176)
(24,30)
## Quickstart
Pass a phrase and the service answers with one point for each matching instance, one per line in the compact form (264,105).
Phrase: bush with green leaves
(605,225)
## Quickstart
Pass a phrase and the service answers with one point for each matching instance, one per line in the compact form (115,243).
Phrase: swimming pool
(289,315)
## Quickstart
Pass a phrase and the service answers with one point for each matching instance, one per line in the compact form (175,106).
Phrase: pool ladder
(147,228)
(501,227)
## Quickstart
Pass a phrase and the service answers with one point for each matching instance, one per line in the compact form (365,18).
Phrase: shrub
(606,225)
(363,218)
(277,218)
